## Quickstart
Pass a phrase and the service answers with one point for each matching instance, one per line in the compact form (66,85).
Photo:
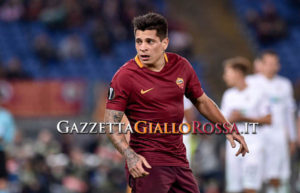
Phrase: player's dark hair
(239,63)
(267,52)
(152,21)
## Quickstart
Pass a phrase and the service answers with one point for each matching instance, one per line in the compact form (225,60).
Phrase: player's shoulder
(254,78)
(126,70)
(177,59)
(227,97)
(173,56)
(229,92)
(251,77)
(283,80)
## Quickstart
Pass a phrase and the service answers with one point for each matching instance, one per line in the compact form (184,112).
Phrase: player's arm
(211,112)
(134,161)
(290,118)
(290,105)
(117,139)
(236,116)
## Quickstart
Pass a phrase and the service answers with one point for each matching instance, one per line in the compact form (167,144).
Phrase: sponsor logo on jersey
(111,94)
(145,91)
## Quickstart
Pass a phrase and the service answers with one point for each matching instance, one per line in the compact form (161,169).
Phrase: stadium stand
(286,44)
(101,59)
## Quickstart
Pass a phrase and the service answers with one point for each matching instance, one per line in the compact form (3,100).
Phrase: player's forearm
(210,110)
(262,120)
(117,139)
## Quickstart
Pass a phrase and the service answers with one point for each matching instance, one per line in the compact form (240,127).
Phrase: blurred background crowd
(58,56)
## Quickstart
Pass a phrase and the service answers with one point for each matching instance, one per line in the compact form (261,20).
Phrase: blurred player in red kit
(150,88)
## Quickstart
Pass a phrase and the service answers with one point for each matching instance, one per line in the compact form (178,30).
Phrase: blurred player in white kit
(189,116)
(280,137)
(242,103)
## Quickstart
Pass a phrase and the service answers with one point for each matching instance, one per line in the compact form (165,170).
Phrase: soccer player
(242,103)
(280,137)
(7,131)
(189,116)
(150,88)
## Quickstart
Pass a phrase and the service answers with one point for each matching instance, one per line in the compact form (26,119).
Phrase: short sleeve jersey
(155,97)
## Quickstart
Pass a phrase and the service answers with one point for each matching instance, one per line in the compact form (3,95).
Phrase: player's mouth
(145,57)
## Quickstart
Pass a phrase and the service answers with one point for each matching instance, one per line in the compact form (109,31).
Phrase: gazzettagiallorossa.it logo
(144,127)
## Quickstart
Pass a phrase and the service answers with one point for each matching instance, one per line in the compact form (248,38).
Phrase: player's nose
(143,47)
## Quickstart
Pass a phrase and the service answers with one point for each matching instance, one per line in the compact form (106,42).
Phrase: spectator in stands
(76,172)
(66,143)
(111,13)
(7,130)
(295,2)
(14,70)
(72,47)
(91,8)
(53,14)
(269,25)
(144,6)
(101,38)
(36,178)
(74,13)
(45,143)
(44,49)
(11,10)
(33,9)
(180,42)
(207,163)
(252,17)
(2,71)
(130,10)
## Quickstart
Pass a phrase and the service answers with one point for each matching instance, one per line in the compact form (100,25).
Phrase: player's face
(231,76)
(149,47)
(270,65)
(257,65)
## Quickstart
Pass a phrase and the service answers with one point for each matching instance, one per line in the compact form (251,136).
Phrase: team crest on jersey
(111,94)
(180,82)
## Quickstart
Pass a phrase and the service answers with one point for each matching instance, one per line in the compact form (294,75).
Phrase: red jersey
(155,97)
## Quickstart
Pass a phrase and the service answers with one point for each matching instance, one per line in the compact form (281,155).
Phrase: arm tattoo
(117,115)
(117,139)
(131,157)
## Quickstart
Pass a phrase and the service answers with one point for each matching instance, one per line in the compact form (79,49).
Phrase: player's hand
(235,116)
(135,163)
(243,146)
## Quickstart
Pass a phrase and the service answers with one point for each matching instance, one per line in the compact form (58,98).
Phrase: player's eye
(150,41)
(138,41)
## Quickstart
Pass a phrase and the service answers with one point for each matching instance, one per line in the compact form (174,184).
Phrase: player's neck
(269,76)
(241,85)
(157,66)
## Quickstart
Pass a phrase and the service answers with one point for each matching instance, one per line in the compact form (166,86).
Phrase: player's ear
(165,43)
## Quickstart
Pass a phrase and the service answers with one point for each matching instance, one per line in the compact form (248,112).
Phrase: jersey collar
(140,64)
